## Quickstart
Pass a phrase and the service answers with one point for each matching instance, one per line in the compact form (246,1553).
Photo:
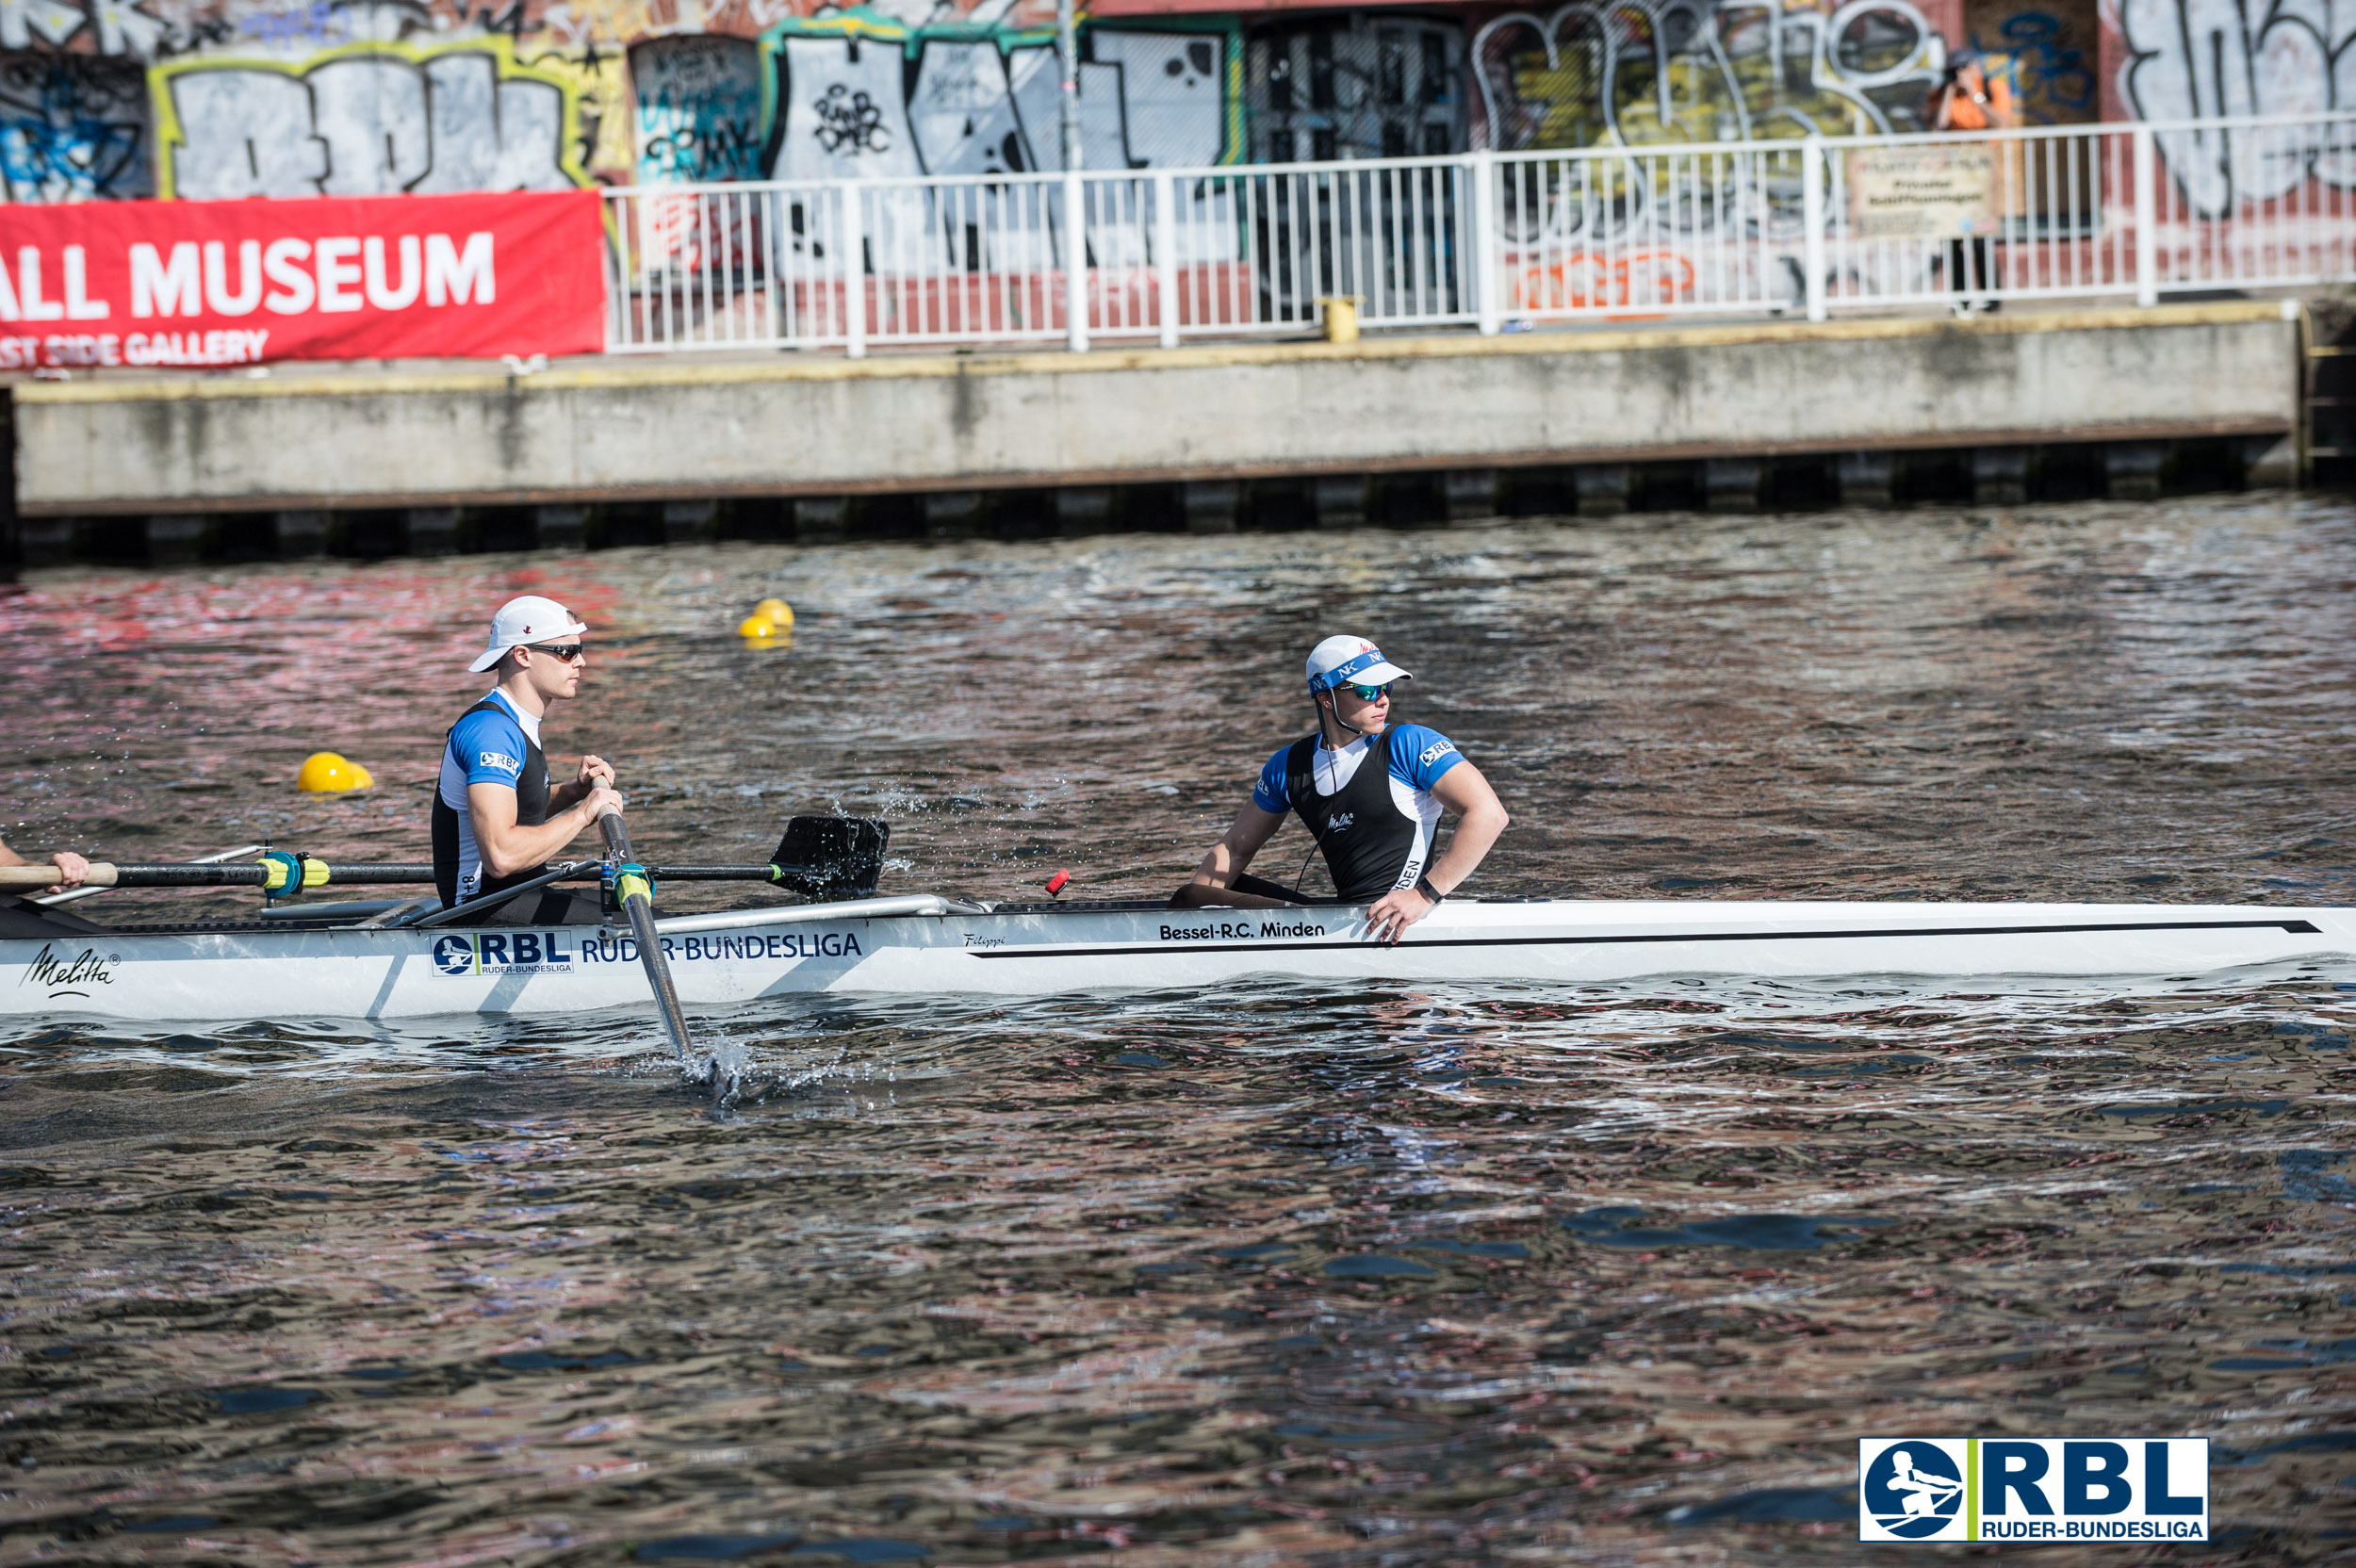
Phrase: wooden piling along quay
(1993,411)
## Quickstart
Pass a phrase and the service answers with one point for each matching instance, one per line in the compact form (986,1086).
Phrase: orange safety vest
(1979,111)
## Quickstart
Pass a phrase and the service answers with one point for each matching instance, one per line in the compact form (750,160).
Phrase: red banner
(211,283)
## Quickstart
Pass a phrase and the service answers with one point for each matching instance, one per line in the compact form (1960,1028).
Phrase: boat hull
(879,946)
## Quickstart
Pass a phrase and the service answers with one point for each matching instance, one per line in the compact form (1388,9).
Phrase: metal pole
(1166,254)
(2147,217)
(853,262)
(1483,171)
(1075,254)
(1812,221)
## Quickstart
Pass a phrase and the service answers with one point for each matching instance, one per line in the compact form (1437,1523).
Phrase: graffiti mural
(1647,72)
(876,102)
(871,101)
(366,120)
(73,129)
(2048,49)
(93,27)
(699,108)
(2193,58)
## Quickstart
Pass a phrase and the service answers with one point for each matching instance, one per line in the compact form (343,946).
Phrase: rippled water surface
(1274,1275)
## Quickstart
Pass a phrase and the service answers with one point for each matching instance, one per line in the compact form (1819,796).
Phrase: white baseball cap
(1350,661)
(529,619)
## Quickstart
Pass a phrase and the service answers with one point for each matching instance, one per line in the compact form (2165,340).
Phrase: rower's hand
(1394,912)
(593,803)
(594,771)
(72,868)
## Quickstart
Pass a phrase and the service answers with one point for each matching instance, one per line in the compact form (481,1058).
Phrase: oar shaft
(173,874)
(110,873)
(639,907)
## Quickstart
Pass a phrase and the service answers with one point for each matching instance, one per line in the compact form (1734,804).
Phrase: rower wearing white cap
(1371,791)
(496,820)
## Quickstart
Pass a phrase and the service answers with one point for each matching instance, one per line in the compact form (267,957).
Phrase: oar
(105,875)
(272,874)
(86,891)
(629,887)
(820,857)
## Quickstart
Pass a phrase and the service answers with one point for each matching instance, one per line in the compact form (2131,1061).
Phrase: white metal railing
(1486,238)
(1164,254)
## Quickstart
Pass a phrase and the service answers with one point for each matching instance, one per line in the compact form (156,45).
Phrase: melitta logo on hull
(2033,1489)
(68,976)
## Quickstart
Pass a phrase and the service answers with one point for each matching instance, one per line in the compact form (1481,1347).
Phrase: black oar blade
(824,859)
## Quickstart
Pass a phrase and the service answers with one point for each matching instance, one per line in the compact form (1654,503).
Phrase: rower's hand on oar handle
(602,801)
(594,771)
(64,870)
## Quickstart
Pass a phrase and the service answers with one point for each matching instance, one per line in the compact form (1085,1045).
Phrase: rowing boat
(935,943)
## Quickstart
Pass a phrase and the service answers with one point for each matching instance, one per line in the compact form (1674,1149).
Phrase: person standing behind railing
(1969,99)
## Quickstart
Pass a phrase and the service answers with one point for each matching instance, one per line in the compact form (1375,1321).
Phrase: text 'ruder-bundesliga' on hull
(931,943)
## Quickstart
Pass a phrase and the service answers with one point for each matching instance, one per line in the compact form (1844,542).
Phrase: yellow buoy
(757,629)
(775,612)
(324,773)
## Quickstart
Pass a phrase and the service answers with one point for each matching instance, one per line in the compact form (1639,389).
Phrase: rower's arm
(507,845)
(1480,818)
(1228,857)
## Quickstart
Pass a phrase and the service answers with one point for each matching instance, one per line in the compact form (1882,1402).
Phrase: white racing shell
(926,943)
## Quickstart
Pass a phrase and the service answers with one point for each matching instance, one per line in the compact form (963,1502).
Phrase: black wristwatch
(1423,886)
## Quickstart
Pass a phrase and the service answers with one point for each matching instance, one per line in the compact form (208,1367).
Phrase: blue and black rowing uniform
(1373,820)
(496,742)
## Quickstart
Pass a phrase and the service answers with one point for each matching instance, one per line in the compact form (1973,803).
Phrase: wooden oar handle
(33,878)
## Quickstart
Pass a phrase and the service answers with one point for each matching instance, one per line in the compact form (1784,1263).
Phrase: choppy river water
(1408,1274)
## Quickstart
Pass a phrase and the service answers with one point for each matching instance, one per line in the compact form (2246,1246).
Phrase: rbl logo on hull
(2033,1489)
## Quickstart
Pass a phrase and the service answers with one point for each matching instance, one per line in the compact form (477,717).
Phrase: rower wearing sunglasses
(1371,791)
(495,821)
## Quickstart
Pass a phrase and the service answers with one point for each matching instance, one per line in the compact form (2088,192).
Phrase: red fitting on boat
(1055,884)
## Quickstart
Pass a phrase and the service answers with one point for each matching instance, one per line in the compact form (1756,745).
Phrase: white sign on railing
(1486,239)
(1938,192)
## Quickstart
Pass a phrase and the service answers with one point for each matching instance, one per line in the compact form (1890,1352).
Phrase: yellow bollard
(324,773)
(777,611)
(1341,316)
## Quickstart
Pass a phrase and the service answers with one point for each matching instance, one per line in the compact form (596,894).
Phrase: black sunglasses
(569,652)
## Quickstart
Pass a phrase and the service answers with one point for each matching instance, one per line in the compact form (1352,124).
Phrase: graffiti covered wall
(73,129)
(104,99)
(366,120)
(233,98)
(1642,72)
(860,96)
(2194,59)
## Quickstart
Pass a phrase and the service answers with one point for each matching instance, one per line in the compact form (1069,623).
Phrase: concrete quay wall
(627,431)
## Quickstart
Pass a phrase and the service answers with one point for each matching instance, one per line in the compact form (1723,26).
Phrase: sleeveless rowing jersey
(1373,822)
(493,743)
